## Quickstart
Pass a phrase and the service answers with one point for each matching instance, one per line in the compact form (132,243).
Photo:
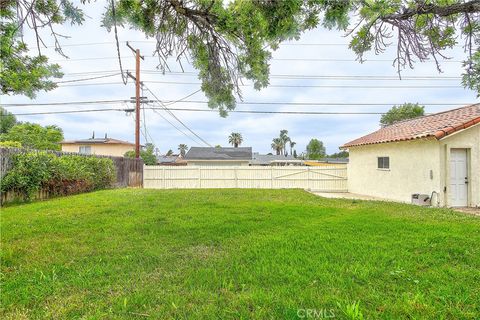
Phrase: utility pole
(137,98)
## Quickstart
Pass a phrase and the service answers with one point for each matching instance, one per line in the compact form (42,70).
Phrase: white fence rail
(327,179)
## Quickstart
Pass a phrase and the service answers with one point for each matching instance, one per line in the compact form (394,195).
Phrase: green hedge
(58,175)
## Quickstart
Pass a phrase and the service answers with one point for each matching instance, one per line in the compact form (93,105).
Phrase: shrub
(10,144)
(58,175)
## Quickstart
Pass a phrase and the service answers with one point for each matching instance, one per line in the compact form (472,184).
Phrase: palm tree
(292,144)
(235,139)
(285,138)
(277,145)
(183,149)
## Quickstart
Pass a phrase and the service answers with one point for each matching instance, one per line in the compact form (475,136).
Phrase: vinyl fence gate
(325,179)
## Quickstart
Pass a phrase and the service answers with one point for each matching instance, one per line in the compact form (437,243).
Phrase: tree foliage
(235,139)
(34,136)
(315,149)
(341,154)
(228,41)
(147,154)
(277,145)
(182,148)
(23,73)
(403,112)
(7,120)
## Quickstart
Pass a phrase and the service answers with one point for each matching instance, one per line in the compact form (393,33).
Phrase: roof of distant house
(265,159)
(206,153)
(97,141)
(436,126)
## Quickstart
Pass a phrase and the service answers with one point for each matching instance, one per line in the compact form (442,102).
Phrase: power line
(307,76)
(178,129)
(280,85)
(240,103)
(176,118)
(329,103)
(64,103)
(150,41)
(330,76)
(67,111)
(87,79)
(272,59)
(206,110)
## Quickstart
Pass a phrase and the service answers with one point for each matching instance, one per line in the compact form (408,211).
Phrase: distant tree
(341,154)
(147,154)
(403,112)
(7,120)
(182,148)
(315,149)
(235,139)
(277,145)
(295,154)
(32,135)
(285,139)
(292,144)
(218,146)
(269,154)
(169,153)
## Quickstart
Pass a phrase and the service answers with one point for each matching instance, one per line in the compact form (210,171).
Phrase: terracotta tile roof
(436,125)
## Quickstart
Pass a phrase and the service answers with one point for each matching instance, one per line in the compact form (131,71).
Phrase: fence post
(163,178)
(308,178)
(271,177)
(236,177)
(199,177)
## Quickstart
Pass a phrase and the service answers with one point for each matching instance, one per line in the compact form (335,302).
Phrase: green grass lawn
(236,254)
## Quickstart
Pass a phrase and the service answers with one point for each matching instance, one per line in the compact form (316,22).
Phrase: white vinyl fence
(327,179)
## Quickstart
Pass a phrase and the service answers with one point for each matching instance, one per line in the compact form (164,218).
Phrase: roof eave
(450,130)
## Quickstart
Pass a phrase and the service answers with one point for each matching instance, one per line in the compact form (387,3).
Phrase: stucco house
(204,156)
(437,155)
(99,146)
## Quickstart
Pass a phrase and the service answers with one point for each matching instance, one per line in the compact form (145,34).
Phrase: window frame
(89,148)
(383,163)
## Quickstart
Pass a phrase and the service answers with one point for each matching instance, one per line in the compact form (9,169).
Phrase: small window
(85,150)
(383,162)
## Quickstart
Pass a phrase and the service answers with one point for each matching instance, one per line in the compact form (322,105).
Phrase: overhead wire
(87,79)
(176,118)
(360,104)
(207,110)
(282,85)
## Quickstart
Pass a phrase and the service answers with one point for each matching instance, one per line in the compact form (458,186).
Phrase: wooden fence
(327,179)
(129,171)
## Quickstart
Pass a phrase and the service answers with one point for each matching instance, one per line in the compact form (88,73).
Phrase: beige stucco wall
(213,163)
(410,166)
(470,140)
(117,150)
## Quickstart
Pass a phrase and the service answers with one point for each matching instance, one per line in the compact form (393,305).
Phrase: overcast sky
(257,129)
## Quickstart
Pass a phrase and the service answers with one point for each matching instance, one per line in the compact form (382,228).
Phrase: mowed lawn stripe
(230,254)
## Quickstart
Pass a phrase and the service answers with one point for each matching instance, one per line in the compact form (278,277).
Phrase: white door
(458,178)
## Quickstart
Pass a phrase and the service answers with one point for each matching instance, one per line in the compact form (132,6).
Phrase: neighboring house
(438,153)
(200,156)
(273,159)
(173,160)
(99,146)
